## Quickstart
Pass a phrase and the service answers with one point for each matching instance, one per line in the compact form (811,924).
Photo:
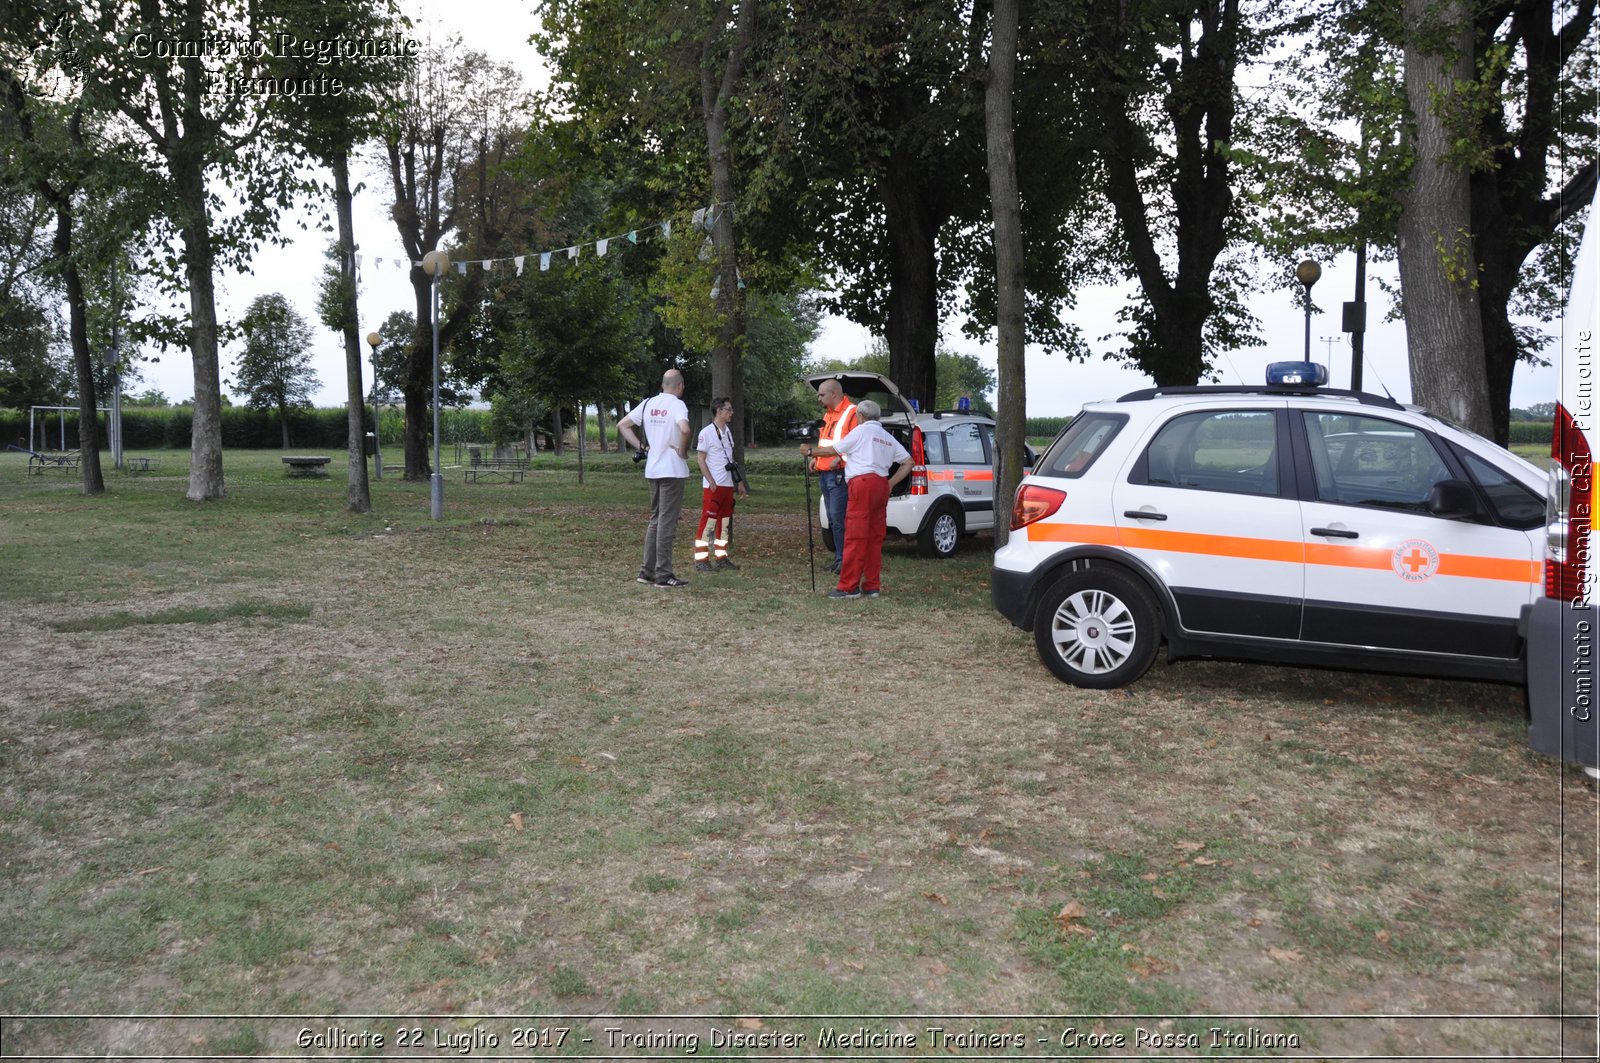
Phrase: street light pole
(434,263)
(1308,273)
(377,414)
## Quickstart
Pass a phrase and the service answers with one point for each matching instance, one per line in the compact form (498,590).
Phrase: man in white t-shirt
(665,420)
(714,452)
(869,451)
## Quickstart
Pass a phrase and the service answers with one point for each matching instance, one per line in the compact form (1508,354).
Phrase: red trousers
(864,525)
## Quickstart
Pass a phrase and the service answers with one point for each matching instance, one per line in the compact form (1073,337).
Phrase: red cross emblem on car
(1415,560)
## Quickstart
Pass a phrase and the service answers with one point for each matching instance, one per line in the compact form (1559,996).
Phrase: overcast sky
(1055,386)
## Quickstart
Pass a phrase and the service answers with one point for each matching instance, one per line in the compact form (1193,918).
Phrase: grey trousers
(666,503)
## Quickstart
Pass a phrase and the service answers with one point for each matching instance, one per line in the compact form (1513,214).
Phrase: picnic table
(307,465)
(496,470)
(140,464)
(40,462)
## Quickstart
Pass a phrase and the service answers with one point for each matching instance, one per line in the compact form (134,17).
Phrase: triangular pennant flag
(572,252)
(544,262)
(633,237)
(488,264)
(518,260)
(461,268)
(699,216)
(601,246)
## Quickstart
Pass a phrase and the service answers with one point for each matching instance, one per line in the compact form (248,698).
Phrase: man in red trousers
(869,452)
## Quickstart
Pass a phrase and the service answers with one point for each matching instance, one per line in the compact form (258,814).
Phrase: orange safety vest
(836,424)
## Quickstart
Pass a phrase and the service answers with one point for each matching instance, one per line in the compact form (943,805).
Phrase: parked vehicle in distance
(1286,522)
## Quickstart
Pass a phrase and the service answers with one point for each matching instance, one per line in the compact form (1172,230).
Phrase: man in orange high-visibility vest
(837,422)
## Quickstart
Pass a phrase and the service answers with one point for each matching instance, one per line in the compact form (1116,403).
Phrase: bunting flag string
(703,218)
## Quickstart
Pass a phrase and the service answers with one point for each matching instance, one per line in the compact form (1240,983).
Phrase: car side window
(933,447)
(1233,451)
(964,445)
(1368,461)
(1076,449)
(1514,505)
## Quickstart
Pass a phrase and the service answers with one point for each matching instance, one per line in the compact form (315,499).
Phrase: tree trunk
(1438,259)
(1010,296)
(555,421)
(417,380)
(82,359)
(911,328)
(600,424)
(727,376)
(205,444)
(358,496)
(283,422)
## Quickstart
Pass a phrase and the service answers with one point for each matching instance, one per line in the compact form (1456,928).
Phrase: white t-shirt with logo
(717,445)
(869,448)
(659,418)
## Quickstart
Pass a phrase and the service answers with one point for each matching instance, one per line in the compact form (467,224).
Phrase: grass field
(260,758)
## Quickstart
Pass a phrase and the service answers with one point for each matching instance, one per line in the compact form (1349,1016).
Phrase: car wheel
(940,534)
(1097,628)
(827,539)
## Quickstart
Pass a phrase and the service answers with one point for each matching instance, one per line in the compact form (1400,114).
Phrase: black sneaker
(725,564)
(644,577)
(702,566)
(870,594)
(837,593)
(672,581)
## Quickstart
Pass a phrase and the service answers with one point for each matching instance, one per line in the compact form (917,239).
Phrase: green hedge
(168,427)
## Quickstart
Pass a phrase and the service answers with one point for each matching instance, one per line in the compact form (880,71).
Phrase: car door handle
(1336,533)
(1143,514)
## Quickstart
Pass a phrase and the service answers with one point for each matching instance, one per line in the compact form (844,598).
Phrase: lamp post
(1308,273)
(377,414)
(434,263)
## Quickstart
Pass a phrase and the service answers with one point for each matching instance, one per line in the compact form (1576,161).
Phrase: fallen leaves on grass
(516,821)
(1068,920)
(1286,955)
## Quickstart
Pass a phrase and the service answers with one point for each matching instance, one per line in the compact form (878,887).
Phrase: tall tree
(332,127)
(1520,124)
(1010,297)
(458,119)
(275,370)
(726,43)
(1438,256)
(1534,104)
(149,62)
(1170,179)
(48,153)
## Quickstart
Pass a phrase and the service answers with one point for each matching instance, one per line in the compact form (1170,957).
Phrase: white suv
(950,492)
(1286,523)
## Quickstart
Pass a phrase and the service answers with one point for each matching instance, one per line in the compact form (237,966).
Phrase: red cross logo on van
(1415,560)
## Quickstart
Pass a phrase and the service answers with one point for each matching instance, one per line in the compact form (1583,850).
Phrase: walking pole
(811,542)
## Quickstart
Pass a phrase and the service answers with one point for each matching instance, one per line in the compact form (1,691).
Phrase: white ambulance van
(1563,626)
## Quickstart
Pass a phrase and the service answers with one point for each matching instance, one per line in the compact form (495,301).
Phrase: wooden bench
(40,463)
(307,465)
(139,464)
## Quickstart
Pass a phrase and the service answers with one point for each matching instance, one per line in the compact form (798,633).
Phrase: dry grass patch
(474,768)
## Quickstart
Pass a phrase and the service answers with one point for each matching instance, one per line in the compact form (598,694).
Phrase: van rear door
(1564,624)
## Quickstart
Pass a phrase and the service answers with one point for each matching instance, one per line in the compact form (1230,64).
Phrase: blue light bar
(1301,374)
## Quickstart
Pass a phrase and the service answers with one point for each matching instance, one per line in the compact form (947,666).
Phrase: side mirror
(1452,500)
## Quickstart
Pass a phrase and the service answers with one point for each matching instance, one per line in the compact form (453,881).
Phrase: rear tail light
(1034,503)
(919,464)
(1569,514)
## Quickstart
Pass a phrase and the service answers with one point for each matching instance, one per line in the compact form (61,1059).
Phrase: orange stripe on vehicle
(1466,566)
(981,474)
(1503,568)
(1175,542)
